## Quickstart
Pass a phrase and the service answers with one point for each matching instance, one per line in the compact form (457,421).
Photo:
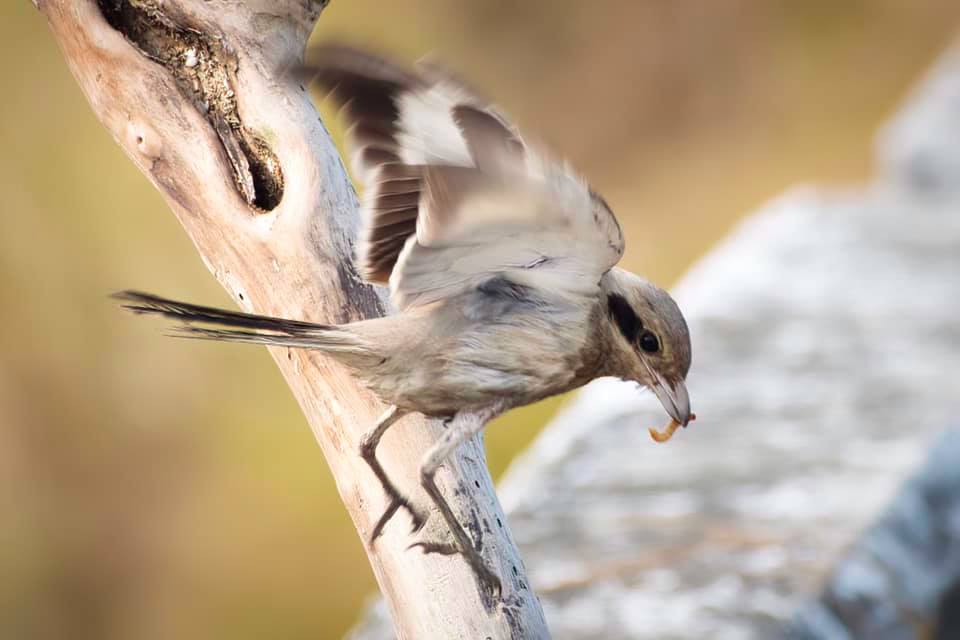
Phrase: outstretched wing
(453,194)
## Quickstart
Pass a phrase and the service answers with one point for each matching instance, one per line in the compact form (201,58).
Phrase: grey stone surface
(826,335)
(890,584)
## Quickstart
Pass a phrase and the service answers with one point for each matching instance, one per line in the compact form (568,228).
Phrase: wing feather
(454,195)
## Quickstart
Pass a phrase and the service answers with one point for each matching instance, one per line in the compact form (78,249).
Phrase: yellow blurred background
(157,489)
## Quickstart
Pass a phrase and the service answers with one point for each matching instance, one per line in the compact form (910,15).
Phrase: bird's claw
(442,548)
(397,502)
(488,580)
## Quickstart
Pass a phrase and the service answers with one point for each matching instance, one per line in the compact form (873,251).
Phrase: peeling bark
(195,93)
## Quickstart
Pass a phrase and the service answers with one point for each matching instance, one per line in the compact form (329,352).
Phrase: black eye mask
(624,316)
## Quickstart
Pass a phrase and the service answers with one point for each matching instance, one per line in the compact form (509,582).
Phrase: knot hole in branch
(204,71)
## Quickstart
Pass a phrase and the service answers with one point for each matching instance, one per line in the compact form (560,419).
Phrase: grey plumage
(500,261)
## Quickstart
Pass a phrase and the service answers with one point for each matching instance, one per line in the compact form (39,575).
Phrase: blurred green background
(156,489)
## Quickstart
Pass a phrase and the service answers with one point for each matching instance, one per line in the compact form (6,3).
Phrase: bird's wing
(453,194)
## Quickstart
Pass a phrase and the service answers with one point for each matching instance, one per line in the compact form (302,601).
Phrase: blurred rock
(826,352)
(948,614)
(895,583)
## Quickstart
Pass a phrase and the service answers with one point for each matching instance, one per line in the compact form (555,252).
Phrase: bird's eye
(649,342)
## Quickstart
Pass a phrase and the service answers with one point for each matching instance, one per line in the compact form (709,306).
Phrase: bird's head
(650,343)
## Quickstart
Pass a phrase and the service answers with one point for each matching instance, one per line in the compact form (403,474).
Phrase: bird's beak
(675,400)
(673,397)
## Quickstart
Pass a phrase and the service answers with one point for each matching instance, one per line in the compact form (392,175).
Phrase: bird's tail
(233,326)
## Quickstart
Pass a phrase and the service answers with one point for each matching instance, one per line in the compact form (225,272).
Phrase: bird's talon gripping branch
(487,578)
(397,502)
(417,520)
(441,548)
(489,581)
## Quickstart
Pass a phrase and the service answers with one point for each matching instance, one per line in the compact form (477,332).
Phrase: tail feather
(234,326)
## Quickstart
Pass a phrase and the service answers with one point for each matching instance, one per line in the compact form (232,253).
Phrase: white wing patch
(428,134)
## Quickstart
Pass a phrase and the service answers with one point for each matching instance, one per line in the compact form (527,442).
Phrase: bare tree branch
(195,94)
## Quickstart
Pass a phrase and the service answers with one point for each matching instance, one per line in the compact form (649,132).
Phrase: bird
(501,265)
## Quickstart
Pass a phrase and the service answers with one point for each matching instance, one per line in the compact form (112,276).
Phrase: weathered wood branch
(195,93)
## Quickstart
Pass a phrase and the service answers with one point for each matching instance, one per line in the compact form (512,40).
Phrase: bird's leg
(462,428)
(368,449)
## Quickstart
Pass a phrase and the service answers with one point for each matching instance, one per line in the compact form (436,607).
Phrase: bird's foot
(441,548)
(489,581)
(398,501)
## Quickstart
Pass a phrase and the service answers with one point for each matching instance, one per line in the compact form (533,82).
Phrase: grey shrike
(501,265)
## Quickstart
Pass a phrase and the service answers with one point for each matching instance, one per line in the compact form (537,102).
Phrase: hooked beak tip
(675,400)
(673,397)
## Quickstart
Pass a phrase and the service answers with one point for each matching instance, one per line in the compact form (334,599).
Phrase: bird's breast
(462,357)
